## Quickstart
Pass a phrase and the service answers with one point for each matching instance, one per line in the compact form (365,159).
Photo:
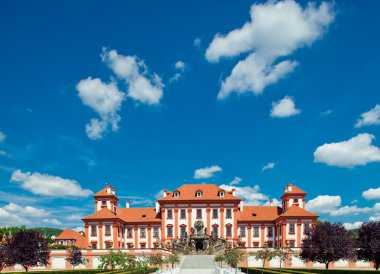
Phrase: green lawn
(253,270)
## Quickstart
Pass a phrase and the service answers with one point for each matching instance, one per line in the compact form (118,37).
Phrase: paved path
(199,264)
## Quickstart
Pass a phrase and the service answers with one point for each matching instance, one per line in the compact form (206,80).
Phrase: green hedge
(304,271)
(81,271)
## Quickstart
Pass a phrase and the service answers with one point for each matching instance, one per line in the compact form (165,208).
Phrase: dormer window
(176,194)
(221,194)
(198,193)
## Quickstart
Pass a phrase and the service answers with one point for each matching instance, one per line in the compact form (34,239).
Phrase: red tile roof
(139,215)
(69,234)
(103,193)
(104,213)
(209,192)
(296,211)
(295,190)
(259,213)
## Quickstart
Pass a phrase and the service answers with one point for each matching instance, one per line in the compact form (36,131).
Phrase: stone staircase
(199,264)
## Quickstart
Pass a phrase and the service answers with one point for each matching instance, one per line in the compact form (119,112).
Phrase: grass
(253,270)
(81,271)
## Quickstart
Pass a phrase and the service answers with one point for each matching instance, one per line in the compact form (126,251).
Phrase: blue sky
(141,95)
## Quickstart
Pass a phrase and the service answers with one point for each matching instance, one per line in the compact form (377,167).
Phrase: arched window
(176,194)
(215,230)
(221,193)
(169,229)
(228,230)
(198,193)
(183,230)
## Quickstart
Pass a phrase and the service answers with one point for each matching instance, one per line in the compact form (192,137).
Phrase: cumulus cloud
(324,203)
(11,219)
(250,195)
(371,117)
(26,211)
(350,226)
(180,67)
(374,219)
(2,137)
(235,181)
(52,221)
(197,42)
(352,210)
(356,151)
(206,172)
(284,108)
(371,194)
(48,185)
(268,166)
(276,30)
(143,86)
(103,98)
(16,215)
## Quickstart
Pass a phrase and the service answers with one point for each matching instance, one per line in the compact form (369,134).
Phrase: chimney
(127,203)
(271,202)
(108,189)
(233,190)
(165,193)
(157,207)
(241,206)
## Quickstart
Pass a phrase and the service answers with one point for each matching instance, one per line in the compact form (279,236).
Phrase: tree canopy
(327,243)
(368,243)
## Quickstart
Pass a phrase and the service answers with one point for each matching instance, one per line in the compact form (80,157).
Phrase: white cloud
(2,137)
(52,221)
(353,210)
(374,219)
(206,172)
(25,211)
(376,207)
(324,204)
(350,226)
(276,30)
(48,185)
(11,219)
(275,202)
(159,194)
(250,195)
(268,166)
(180,67)
(371,117)
(284,108)
(356,151)
(197,42)
(235,181)
(326,112)
(143,86)
(74,217)
(371,194)
(79,228)
(103,98)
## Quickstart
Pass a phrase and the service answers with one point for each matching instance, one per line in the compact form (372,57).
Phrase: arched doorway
(199,246)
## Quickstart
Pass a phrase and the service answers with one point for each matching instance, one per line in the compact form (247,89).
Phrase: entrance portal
(199,246)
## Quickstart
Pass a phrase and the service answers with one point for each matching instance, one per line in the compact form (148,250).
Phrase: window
(270,231)
(228,231)
(215,214)
(255,244)
(142,245)
(170,214)
(198,194)
(104,203)
(256,231)
(93,246)
(108,230)
(108,245)
(176,194)
(129,233)
(93,230)
(215,231)
(291,244)
(242,231)
(155,232)
(170,231)
(183,214)
(291,228)
(221,193)
(199,213)
(228,213)
(142,232)
(306,228)
(270,244)
(183,231)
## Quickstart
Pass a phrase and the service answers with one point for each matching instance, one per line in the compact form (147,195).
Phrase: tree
(233,257)
(282,253)
(115,259)
(141,266)
(74,257)
(327,243)
(3,256)
(28,248)
(265,254)
(173,259)
(219,259)
(156,260)
(368,243)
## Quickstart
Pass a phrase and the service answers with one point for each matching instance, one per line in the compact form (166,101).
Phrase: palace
(197,217)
